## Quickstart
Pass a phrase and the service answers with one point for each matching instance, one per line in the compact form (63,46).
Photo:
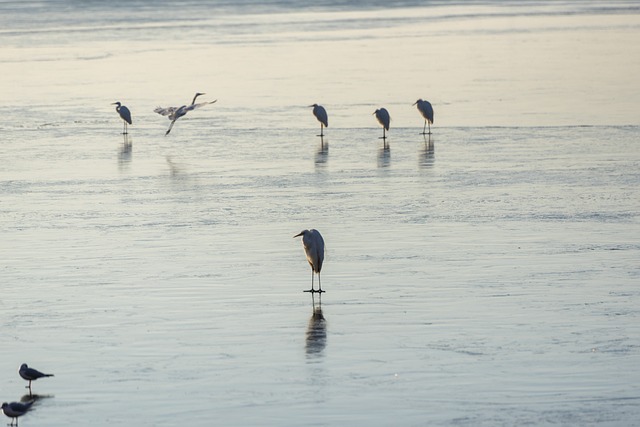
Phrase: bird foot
(313,291)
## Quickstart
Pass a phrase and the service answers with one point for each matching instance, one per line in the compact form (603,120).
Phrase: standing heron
(313,244)
(14,410)
(175,113)
(30,374)
(321,115)
(426,110)
(125,115)
(384,119)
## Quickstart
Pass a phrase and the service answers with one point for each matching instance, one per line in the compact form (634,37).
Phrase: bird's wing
(166,111)
(33,373)
(201,104)
(125,114)
(428,111)
(321,115)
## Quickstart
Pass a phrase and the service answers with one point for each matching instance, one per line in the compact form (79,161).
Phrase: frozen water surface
(487,275)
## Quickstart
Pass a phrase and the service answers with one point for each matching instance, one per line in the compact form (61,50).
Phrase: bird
(14,410)
(426,110)
(313,244)
(321,115)
(125,115)
(383,118)
(31,374)
(175,113)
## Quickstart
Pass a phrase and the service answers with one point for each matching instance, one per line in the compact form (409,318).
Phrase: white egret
(30,374)
(313,244)
(175,113)
(321,115)
(125,115)
(384,119)
(14,410)
(426,110)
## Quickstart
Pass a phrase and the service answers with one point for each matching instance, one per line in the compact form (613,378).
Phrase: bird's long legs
(170,126)
(313,290)
(424,129)
(124,130)
(321,130)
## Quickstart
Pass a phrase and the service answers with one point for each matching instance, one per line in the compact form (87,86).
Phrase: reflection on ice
(322,155)
(384,157)
(35,397)
(427,154)
(174,169)
(126,150)
(316,331)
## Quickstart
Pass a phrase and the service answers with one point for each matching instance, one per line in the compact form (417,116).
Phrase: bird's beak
(297,235)
(415,103)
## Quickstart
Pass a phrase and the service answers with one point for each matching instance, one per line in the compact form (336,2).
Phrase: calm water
(485,276)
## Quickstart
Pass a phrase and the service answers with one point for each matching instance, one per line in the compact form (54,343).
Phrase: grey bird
(426,110)
(382,115)
(175,113)
(30,374)
(313,244)
(14,410)
(125,115)
(321,115)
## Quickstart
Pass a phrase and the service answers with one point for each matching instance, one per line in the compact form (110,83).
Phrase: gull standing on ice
(125,115)
(313,244)
(321,115)
(175,113)
(426,110)
(14,410)
(31,374)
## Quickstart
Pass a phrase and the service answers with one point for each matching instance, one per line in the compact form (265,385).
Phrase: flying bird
(426,110)
(14,410)
(313,244)
(125,115)
(383,118)
(321,115)
(175,113)
(30,374)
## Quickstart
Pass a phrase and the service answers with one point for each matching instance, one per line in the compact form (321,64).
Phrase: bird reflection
(322,155)
(384,157)
(427,155)
(174,169)
(126,150)
(316,330)
(34,397)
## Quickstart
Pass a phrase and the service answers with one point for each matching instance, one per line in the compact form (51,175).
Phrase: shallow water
(484,276)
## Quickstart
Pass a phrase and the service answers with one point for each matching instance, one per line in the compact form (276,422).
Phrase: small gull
(30,374)
(14,410)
